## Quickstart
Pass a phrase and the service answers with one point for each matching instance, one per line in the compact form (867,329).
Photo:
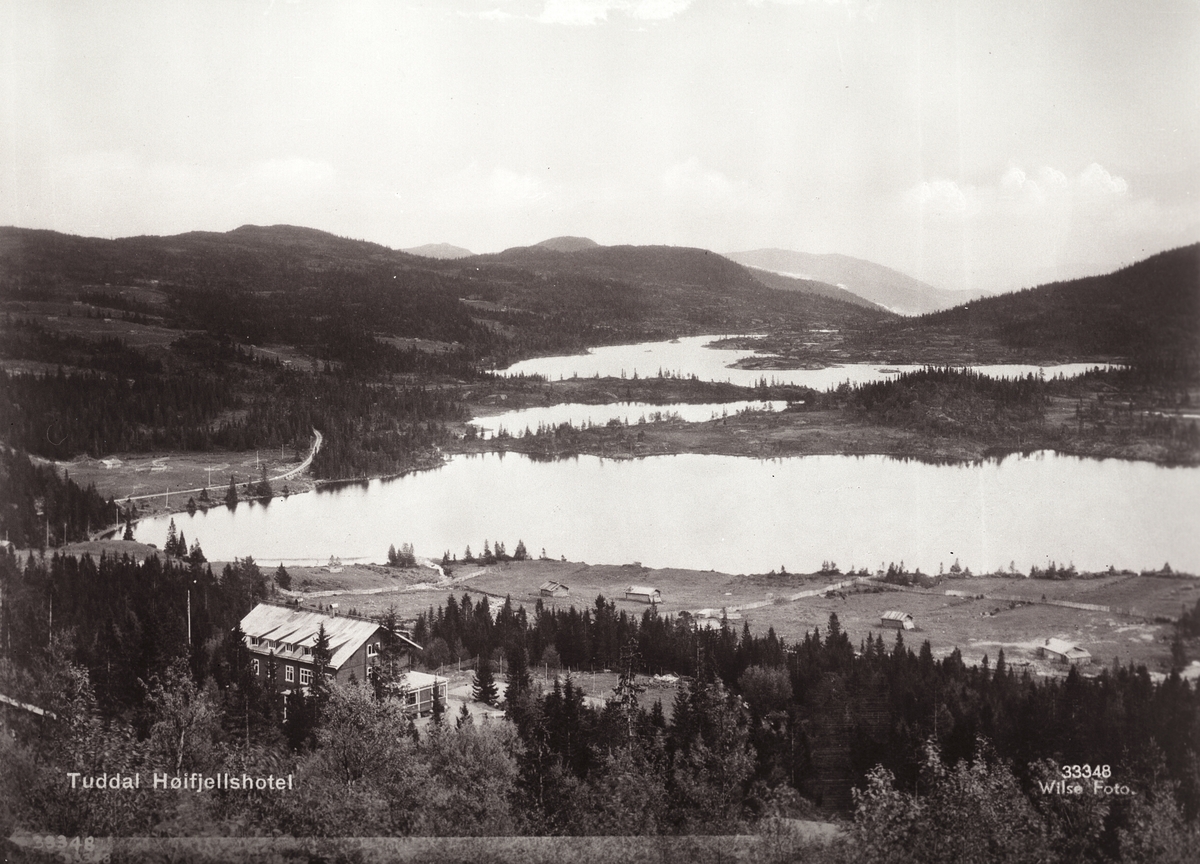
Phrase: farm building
(898,620)
(554,589)
(643,594)
(285,636)
(1062,651)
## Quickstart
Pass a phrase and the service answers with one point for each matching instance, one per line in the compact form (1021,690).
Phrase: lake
(691,356)
(736,514)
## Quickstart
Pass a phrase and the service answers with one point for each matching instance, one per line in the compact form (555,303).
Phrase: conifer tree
(483,687)
(321,657)
(231,496)
(464,717)
(439,707)
(263,489)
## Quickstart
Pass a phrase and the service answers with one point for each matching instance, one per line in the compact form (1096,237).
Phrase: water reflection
(737,514)
(580,416)
(690,356)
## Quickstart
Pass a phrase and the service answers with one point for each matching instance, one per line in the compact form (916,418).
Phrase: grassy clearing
(975,626)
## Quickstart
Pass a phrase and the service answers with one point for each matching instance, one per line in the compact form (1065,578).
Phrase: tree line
(757,727)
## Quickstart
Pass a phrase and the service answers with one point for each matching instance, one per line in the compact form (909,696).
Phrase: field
(162,482)
(1010,614)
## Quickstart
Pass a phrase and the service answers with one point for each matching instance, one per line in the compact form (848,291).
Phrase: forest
(1147,313)
(757,728)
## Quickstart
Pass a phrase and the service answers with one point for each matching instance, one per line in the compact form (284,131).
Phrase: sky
(975,145)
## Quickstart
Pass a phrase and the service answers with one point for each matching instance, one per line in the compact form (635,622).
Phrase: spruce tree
(483,688)
(321,656)
(231,496)
(439,707)
(464,717)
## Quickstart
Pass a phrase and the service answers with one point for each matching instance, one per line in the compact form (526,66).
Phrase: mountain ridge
(883,286)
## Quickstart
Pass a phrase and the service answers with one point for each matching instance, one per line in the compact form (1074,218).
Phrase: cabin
(643,594)
(897,620)
(285,636)
(419,689)
(1062,651)
(553,589)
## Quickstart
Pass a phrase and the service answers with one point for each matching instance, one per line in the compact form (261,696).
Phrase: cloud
(690,180)
(1024,227)
(1017,193)
(474,189)
(589,12)
(869,9)
(1097,182)
(943,199)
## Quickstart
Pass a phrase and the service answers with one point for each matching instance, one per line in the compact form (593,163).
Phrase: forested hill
(261,253)
(302,287)
(1147,313)
(686,284)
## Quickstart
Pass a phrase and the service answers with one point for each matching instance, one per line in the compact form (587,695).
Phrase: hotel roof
(300,626)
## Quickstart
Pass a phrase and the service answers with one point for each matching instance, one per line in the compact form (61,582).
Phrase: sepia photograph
(652,431)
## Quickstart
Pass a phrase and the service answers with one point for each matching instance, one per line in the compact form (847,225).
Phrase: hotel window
(305,676)
(290,672)
(372,649)
(254,666)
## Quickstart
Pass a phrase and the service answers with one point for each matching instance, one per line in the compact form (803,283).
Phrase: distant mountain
(439,250)
(1148,312)
(567,244)
(809,286)
(881,285)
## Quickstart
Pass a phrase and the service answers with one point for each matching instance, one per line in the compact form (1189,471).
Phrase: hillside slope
(880,285)
(1148,312)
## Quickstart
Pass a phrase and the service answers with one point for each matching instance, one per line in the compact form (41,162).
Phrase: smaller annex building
(285,636)
(643,594)
(1062,651)
(897,620)
(551,588)
(419,688)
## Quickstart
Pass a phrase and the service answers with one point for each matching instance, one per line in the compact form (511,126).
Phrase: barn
(643,594)
(1062,651)
(553,589)
(897,620)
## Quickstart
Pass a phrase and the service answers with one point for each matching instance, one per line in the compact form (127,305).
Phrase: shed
(551,588)
(898,620)
(1062,651)
(643,594)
